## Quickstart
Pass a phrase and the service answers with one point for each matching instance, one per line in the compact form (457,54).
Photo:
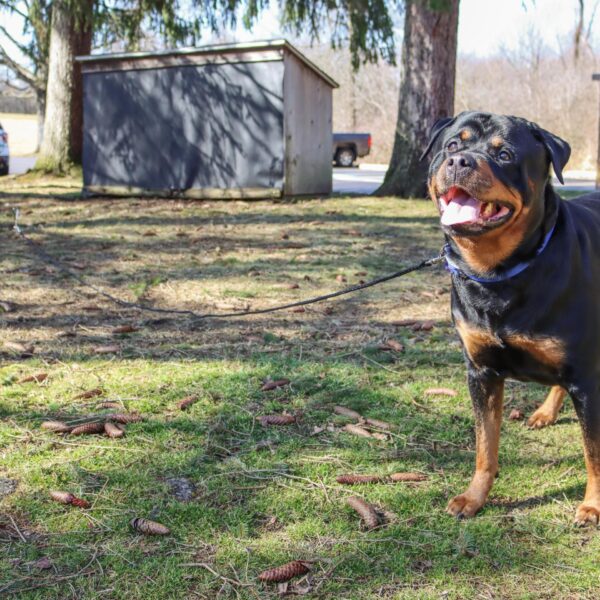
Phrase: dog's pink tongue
(460,210)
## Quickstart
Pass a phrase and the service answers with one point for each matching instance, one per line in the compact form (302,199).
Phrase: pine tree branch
(25,74)
(22,48)
(12,8)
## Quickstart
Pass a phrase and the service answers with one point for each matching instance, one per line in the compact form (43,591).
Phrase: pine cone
(347,412)
(80,502)
(89,394)
(271,385)
(88,428)
(109,404)
(112,431)
(277,420)
(62,497)
(124,418)
(285,572)
(186,402)
(38,378)
(365,510)
(357,430)
(408,477)
(148,527)
(378,424)
(124,329)
(56,426)
(354,479)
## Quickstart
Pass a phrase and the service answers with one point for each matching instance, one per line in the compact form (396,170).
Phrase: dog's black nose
(459,163)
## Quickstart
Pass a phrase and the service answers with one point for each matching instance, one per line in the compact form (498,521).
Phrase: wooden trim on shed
(192,193)
(181,60)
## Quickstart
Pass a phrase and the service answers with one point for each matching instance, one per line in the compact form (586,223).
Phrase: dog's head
(488,180)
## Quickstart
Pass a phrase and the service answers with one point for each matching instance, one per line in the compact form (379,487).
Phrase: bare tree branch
(22,48)
(12,8)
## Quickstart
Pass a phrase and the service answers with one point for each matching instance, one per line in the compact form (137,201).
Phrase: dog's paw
(541,418)
(587,514)
(464,506)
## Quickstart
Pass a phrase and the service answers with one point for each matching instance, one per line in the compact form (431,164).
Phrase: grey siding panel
(308,130)
(212,126)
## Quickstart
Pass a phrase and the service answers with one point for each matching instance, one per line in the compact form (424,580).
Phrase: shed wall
(188,127)
(308,130)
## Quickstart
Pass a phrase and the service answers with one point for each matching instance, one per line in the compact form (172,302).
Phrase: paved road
(20,164)
(367,178)
(364,180)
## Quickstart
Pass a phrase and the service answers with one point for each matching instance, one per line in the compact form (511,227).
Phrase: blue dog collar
(508,274)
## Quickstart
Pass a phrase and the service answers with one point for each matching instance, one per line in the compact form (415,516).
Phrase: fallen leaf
(341,278)
(91,307)
(440,392)
(292,286)
(7,306)
(149,233)
(515,415)
(43,563)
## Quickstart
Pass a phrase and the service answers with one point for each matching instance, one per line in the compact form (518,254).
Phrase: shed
(249,120)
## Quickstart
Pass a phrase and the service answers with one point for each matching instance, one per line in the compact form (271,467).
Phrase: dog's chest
(517,354)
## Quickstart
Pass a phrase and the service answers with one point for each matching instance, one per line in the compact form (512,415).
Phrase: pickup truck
(348,146)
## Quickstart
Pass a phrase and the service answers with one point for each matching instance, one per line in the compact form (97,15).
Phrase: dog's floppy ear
(437,128)
(557,148)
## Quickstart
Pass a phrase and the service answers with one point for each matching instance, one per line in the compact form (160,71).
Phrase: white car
(4,153)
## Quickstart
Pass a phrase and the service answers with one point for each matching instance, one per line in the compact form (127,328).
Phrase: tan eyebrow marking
(465,134)
(497,142)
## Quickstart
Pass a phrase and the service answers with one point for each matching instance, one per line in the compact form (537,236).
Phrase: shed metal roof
(278,44)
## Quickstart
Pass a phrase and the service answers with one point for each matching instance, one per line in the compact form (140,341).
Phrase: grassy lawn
(240,497)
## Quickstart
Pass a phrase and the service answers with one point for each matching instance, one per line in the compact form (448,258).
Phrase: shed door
(209,126)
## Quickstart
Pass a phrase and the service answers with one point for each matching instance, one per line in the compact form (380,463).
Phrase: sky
(485,26)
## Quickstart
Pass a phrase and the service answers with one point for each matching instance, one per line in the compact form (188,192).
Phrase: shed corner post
(596,77)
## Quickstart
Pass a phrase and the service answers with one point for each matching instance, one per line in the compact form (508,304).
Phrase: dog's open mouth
(459,208)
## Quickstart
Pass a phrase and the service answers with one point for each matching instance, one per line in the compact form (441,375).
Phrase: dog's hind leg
(588,412)
(487,394)
(547,413)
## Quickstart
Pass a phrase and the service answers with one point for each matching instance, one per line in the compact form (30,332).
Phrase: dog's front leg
(487,392)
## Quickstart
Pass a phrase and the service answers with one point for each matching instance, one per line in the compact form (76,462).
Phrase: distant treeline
(17,104)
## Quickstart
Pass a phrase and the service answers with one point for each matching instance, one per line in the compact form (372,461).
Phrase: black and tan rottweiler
(525,267)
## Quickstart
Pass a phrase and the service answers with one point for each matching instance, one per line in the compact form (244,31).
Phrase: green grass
(262,495)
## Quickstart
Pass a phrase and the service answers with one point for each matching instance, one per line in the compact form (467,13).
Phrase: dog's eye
(452,146)
(504,155)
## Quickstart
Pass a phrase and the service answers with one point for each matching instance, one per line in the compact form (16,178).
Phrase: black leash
(43,255)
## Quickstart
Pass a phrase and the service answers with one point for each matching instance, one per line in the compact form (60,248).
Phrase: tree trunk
(70,35)
(426,91)
(40,102)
